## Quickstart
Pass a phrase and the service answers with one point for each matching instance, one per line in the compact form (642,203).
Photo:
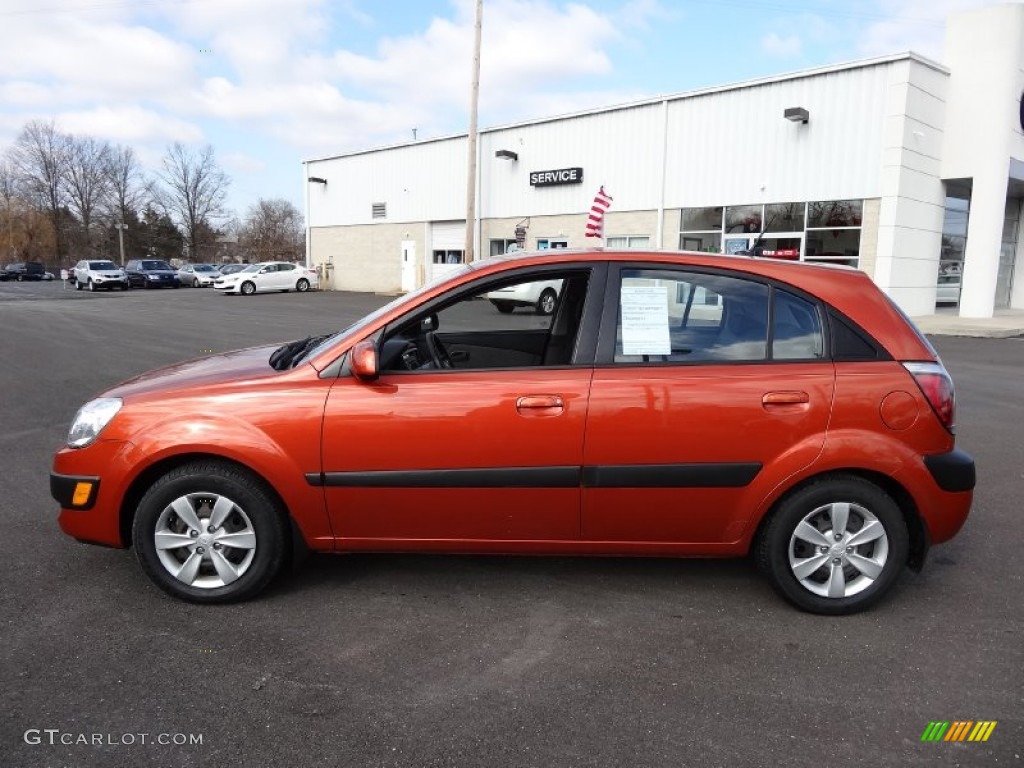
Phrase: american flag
(595,221)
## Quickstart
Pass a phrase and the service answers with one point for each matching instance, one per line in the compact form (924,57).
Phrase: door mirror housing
(364,361)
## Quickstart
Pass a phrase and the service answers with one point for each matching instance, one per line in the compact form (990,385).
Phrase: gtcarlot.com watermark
(54,737)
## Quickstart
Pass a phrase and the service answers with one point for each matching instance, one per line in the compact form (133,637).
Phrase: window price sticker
(645,320)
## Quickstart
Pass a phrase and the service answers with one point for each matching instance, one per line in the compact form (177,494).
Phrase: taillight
(937,386)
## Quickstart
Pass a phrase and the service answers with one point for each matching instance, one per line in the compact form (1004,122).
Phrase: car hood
(230,367)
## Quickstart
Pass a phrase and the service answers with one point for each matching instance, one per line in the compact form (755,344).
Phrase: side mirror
(364,361)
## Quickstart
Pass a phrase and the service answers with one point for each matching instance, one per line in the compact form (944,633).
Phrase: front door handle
(784,398)
(540,405)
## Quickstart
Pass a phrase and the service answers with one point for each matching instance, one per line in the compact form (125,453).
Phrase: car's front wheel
(302,285)
(835,546)
(209,532)
(92,285)
(248,288)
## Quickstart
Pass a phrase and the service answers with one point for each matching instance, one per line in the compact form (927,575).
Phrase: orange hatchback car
(671,404)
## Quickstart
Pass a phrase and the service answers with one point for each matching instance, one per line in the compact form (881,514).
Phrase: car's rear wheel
(302,286)
(209,532)
(248,288)
(835,546)
(504,307)
(546,302)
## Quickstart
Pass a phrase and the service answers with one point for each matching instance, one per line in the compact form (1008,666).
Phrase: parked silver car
(198,275)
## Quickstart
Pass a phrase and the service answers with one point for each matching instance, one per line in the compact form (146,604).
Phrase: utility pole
(121,227)
(474,99)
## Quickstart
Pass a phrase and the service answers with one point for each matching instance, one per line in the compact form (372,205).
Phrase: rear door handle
(794,397)
(539,405)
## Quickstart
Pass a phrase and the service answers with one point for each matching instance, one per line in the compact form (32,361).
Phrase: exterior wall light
(317,180)
(797,114)
(506,154)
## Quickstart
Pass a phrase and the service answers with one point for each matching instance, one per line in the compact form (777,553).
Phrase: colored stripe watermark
(959,730)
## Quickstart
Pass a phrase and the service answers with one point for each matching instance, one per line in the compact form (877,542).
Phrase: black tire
(504,307)
(256,508)
(91,286)
(547,302)
(78,285)
(302,286)
(195,282)
(772,549)
(248,288)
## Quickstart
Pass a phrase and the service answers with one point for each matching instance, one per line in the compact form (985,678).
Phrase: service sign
(553,178)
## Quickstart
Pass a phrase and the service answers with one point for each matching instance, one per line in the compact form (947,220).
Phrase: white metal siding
(729,146)
(735,147)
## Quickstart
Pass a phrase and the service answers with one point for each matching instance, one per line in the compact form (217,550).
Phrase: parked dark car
(151,273)
(25,270)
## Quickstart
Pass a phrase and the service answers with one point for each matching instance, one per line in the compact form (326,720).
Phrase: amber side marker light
(81,495)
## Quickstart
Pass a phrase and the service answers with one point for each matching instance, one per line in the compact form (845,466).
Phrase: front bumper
(99,475)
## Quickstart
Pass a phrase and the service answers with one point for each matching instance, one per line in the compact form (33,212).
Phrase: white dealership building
(906,168)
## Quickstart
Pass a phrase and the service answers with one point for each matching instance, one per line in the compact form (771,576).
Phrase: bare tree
(39,157)
(193,193)
(86,179)
(126,190)
(8,193)
(273,230)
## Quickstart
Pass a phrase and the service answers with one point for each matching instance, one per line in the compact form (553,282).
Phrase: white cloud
(239,162)
(912,25)
(782,47)
(129,124)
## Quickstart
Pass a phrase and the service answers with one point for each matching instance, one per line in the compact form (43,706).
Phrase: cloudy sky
(272,82)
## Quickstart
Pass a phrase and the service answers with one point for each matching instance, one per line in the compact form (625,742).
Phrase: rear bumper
(953,471)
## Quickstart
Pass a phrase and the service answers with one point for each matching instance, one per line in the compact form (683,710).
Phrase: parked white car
(542,295)
(268,276)
(95,274)
(948,289)
(198,275)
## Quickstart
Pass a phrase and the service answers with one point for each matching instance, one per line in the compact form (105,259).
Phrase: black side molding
(704,475)
(953,471)
(504,477)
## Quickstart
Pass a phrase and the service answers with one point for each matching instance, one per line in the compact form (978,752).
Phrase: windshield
(253,268)
(155,265)
(204,268)
(102,265)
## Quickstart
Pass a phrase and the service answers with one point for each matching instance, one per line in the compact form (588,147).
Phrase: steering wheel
(438,354)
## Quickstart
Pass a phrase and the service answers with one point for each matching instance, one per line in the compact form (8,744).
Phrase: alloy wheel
(205,540)
(838,550)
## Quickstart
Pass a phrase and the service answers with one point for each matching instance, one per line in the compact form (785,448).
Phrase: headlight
(91,419)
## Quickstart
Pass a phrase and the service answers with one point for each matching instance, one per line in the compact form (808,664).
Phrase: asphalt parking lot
(474,661)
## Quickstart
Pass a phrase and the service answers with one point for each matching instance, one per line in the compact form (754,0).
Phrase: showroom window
(629,241)
(701,230)
(822,231)
(833,231)
(546,243)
